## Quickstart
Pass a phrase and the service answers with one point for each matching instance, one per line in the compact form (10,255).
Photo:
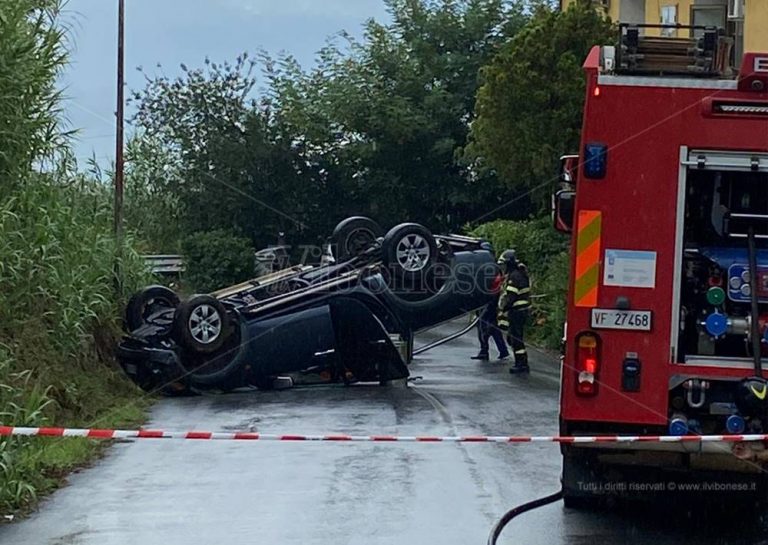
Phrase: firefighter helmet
(752,396)
(508,259)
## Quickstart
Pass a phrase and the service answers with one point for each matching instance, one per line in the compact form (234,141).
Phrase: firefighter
(487,329)
(514,303)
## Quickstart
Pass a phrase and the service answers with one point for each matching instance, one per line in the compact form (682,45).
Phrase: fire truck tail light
(590,366)
(587,363)
(587,340)
(586,385)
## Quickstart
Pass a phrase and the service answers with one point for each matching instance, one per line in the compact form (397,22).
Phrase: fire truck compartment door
(723,160)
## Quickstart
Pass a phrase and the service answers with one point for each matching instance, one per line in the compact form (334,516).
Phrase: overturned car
(334,322)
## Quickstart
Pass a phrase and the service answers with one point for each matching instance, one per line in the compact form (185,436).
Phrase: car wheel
(201,324)
(409,250)
(353,236)
(146,302)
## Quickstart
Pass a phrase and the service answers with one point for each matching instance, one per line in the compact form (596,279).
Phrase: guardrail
(165,264)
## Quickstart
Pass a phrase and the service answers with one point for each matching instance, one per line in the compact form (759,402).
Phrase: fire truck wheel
(579,468)
(146,302)
(409,250)
(201,324)
(353,236)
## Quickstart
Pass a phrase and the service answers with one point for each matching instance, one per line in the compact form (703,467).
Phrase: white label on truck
(630,268)
(633,320)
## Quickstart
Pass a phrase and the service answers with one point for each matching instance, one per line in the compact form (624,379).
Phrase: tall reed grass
(59,306)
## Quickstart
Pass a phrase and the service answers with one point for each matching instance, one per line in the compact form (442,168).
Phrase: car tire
(143,303)
(201,324)
(409,250)
(353,236)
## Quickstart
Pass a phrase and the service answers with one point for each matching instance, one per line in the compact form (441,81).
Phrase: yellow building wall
(613,10)
(755,18)
(756,26)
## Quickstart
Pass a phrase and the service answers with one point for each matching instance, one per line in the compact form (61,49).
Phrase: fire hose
(458,334)
(519,510)
(447,339)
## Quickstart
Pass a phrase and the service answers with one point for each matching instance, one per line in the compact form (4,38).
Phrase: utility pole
(119,146)
(120,123)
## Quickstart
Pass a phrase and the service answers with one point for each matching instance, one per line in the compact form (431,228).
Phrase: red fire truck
(667,318)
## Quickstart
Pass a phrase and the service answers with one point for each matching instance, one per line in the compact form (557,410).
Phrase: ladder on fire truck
(706,53)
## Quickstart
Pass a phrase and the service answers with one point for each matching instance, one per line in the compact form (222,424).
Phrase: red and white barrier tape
(252,436)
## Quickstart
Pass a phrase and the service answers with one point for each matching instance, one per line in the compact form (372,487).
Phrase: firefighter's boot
(521,364)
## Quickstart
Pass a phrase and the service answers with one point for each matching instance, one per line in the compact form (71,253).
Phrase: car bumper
(152,369)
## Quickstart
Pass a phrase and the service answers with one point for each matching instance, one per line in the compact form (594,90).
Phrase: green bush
(545,253)
(216,259)
(22,402)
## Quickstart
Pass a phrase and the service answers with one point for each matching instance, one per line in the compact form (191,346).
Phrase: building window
(717,16)
(669,17)
(706,15)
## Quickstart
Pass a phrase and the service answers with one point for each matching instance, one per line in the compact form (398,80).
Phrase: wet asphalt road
(197,492)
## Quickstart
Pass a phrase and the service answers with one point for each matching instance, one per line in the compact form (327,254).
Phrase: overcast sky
(170,32)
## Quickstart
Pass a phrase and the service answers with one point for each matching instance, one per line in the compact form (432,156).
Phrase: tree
(529,107)
(152,207)
(391,112)
(232,166)
(377,127)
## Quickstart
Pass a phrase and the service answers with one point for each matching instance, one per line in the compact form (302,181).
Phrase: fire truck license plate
(637,320)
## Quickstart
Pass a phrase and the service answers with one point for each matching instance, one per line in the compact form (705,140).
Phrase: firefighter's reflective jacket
(515,295)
